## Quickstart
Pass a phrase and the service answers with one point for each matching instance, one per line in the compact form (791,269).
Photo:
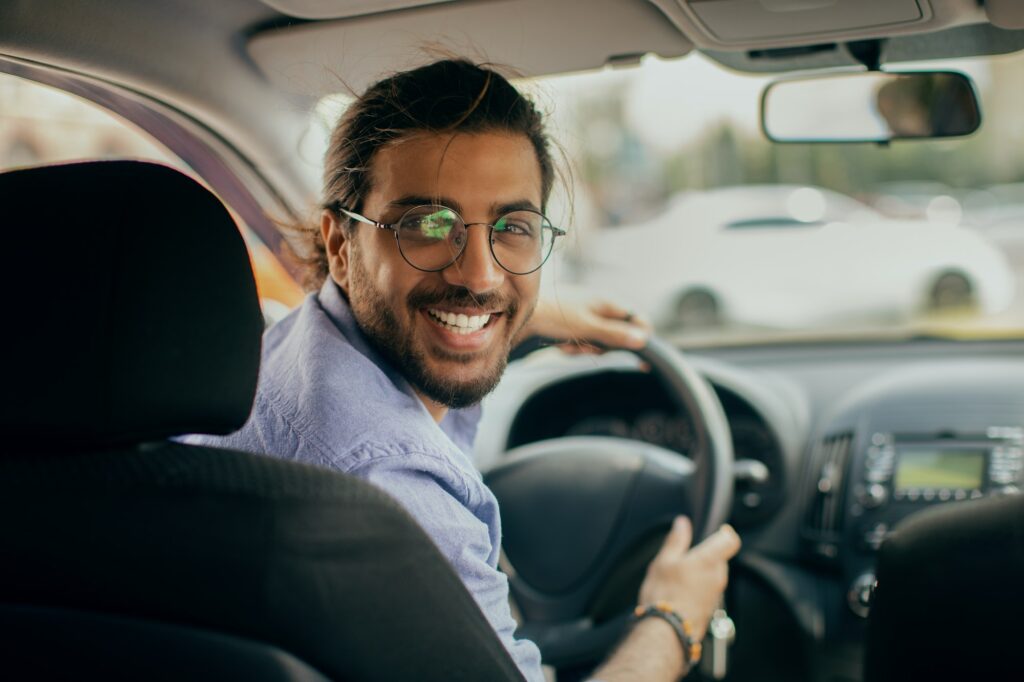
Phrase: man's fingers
(605,324)
(614,311)
(678,539)
(611,334)
(618,326)
(619,334)
(609,309)
(722,544)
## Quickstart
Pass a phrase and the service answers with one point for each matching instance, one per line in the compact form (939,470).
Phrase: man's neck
(436,410)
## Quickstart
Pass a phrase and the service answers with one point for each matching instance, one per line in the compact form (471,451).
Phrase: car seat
(950,594)
(132,318)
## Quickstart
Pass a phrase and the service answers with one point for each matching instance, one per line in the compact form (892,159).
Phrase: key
(723,633)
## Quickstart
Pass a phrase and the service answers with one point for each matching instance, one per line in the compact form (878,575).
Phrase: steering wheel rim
(696,396)
(560,495)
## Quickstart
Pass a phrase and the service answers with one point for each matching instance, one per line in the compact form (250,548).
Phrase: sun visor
(534,37)
(755,24)
(337,9)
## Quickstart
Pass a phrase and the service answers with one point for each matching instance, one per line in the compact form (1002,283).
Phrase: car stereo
(902,471)
(898,474)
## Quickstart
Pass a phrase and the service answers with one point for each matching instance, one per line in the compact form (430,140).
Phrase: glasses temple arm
(363,219)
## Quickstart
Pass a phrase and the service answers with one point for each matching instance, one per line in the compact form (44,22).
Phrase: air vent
(825,512)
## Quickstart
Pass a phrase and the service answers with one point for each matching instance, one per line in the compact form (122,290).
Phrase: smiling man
(446,310)
(427,262)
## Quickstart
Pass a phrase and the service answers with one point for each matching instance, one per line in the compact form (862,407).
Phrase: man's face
(403,310)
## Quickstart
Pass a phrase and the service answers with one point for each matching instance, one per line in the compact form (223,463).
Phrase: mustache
(460,297)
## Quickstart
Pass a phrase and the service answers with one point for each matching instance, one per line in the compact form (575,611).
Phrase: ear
(337,244)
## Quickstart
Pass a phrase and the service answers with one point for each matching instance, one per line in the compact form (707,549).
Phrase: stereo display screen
(925,468)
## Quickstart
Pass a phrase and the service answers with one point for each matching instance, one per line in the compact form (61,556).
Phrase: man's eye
(432,225)
(514,227)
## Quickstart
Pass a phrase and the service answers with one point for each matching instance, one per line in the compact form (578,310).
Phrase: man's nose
(475,269)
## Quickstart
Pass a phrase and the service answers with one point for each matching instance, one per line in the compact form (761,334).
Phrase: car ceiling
(251,69)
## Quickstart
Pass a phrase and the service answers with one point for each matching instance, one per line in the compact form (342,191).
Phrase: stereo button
(875,496)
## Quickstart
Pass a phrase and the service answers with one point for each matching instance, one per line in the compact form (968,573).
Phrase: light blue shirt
(325,397)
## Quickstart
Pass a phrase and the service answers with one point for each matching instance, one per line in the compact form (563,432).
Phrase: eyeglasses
(432,237)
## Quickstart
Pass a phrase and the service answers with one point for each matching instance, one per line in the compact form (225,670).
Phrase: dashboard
(835,444)
(634,405)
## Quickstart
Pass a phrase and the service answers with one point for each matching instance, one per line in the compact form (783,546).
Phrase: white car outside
(786,256)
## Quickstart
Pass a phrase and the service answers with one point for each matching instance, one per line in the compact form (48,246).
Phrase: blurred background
(680,208)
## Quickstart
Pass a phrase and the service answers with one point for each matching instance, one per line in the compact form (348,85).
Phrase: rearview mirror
(874,106)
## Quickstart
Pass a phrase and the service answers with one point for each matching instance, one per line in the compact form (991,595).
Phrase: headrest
(131,310)
(949,574)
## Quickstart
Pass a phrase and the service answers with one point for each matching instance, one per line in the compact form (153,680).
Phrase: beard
(395,342)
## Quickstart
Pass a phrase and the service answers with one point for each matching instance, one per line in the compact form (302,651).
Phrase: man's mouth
(461,323)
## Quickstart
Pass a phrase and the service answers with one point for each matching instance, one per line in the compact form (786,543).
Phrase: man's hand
(691,581)
(580,326)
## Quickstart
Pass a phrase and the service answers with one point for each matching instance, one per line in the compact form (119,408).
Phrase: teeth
(460,323)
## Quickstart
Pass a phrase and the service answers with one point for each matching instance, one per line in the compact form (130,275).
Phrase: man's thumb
(679,538)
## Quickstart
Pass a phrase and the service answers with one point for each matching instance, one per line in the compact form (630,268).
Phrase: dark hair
(452,95)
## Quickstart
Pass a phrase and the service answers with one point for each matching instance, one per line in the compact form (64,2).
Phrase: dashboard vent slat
(825,512)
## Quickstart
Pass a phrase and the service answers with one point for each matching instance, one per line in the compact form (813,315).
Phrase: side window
(42,125)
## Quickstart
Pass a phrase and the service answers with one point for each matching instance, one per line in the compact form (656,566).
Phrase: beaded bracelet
(684,631)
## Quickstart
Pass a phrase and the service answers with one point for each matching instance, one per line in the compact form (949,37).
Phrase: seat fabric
(322,566)
(57,644)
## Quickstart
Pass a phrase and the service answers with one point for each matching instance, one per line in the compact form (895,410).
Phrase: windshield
(679,208)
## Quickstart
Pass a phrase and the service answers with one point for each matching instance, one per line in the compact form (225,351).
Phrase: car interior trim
(294,57)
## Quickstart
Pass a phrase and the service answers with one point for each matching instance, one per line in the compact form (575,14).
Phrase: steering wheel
(583,516)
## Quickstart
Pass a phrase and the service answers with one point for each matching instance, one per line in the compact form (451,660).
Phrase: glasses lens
(431,237)
(522,241)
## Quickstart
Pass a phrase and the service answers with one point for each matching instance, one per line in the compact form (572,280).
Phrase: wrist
(650,652)
(689,640)
(665,641)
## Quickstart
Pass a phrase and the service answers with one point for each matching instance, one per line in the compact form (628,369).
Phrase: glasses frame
(393,227)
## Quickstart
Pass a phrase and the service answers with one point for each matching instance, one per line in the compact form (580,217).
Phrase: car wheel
(698,308)
(951,290)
